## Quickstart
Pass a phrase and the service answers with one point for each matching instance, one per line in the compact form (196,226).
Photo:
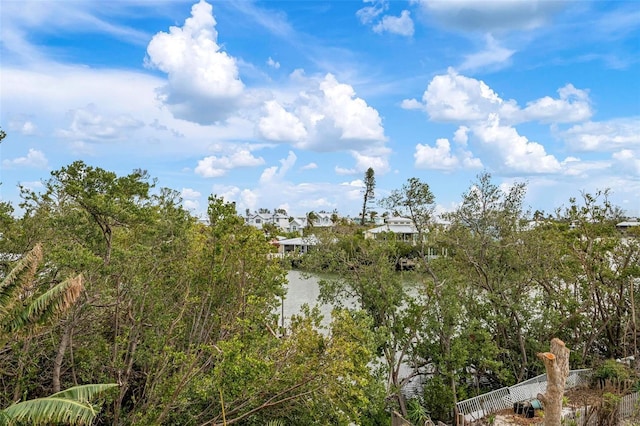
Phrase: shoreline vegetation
(184,316)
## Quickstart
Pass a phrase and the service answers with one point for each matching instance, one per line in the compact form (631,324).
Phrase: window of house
(258,221)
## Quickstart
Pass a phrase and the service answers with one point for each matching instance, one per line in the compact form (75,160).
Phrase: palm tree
(311,218)
(71,406)
(23,307)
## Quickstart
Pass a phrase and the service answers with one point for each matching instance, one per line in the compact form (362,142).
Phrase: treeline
(180,315)
(504,283)
(183,316)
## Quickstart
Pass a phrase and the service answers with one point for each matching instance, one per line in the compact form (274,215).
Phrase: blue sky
(285,104)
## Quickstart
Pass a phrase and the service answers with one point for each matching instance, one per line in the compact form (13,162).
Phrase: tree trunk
(557,364)
(57,362)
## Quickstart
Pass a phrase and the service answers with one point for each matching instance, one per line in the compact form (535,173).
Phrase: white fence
(481,406)
(628,407)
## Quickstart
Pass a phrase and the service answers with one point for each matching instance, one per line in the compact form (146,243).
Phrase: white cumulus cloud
(34,158)
(190,194)
(22,125)
(487,122)
(376,160)
(572,106)
(203,83)
(604,135)
(272,63)
(401,25)
(441,157)
(512,151)
(369,13)
(454,97)
(436,158)
(461,135)
(216,166)
(326,116)
(275,173)
(280,125)
(411,104)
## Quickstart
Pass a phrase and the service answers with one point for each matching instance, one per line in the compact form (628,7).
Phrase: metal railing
(480,406)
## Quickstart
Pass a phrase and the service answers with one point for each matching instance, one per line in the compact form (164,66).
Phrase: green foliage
(183,315)
(415,201)
(24,305)
(368,194)
(439,399)
(611,370)
(366,274)
(71,406)
(416,413)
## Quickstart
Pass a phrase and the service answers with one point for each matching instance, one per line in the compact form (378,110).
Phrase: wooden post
(557,364)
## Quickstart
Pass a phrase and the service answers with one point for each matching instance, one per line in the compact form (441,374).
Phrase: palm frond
(57,299)
(18,278)
(5,420)
(70,406)
(84,393)
(44,411)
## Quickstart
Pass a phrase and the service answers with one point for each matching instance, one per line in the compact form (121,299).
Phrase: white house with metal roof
(298,245)
(402,227)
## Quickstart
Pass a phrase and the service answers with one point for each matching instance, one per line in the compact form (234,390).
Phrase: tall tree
(485,238)
(365,271)
(368,193)
(311,218)
(416,202)
(23,305)
(110,201)
(603,273)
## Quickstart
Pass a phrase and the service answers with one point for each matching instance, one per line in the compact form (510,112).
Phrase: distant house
(323,220)
(627,225)
(280,220)
(287,223)
(258,219)
(402,227)
(296,224)
(299,245)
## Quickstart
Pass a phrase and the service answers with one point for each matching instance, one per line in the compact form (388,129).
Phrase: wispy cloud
(493,56)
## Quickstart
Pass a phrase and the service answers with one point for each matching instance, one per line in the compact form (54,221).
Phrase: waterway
(304,288)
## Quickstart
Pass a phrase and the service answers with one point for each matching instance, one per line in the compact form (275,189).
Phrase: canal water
(304,288)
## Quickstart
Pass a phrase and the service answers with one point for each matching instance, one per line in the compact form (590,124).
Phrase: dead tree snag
(557,364)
